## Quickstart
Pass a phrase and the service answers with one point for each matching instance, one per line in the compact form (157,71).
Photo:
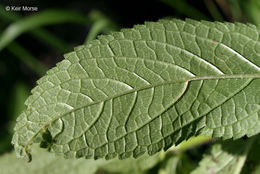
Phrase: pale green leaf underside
(47,163)
(147,88)
(225,158)
(44,162)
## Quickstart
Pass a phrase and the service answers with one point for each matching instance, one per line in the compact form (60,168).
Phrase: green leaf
(132,165)
(49,163)
(226,157)
(147,88)
(170,166)
(179,163)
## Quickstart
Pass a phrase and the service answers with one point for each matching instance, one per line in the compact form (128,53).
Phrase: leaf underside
(146,88)
(48,163)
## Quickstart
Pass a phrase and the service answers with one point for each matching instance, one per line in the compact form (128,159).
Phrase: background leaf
(46,163)
(252,164)
(38,20)
(49,163)
(225,157)
(41,34)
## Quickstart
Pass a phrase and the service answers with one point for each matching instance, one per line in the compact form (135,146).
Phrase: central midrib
(216,77)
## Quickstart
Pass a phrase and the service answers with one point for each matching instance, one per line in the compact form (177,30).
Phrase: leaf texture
(145,89)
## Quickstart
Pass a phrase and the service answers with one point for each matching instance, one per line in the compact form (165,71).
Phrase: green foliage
(145,89)
(40,19)
(49,163)
(45,162)
(252,164)
(253,10)
(225,157)
(39,33)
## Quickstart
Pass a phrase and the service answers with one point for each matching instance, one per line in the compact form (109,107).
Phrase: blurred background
(35,34)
